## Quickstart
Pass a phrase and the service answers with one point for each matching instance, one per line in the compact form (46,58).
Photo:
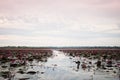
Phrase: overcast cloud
(59,22)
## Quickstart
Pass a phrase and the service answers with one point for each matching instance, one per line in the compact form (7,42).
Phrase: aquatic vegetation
(51,65)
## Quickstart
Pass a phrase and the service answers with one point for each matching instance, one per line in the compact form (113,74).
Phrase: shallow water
(62,67)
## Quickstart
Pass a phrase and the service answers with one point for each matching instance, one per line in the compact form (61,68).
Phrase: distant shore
(63,47)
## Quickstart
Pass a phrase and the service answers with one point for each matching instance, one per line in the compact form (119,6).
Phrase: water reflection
(57,66)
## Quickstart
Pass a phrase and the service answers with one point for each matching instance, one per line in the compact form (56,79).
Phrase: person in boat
(78,64)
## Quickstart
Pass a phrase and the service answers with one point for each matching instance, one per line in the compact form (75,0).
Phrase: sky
(59,22)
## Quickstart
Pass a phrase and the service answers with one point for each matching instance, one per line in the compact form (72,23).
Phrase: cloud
(18,19)
(50,41)
(59,22)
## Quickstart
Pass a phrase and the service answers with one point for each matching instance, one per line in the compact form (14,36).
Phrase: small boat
(31,71)
(4,66)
